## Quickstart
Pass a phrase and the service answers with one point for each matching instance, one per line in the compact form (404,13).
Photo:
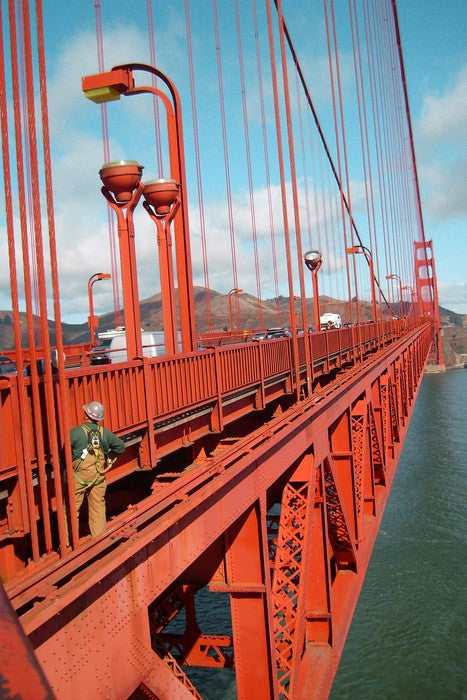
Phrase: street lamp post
(412,293)
(313,260)
(296,296)
(355,250)
(122,189)
(162,200)
(103,87)
(93,320)
(235,290)
(401,307)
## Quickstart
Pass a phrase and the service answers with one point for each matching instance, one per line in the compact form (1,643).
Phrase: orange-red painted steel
(327,461)
(158,404)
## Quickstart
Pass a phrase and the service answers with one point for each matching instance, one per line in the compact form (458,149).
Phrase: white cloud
(80,210)
(444,117)
(443,162)
(453,296)
(447,187)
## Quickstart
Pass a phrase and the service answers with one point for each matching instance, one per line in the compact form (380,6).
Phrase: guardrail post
(289,387)
(260,399)
(312,367)
(217,419)
(339,346)
(147,448)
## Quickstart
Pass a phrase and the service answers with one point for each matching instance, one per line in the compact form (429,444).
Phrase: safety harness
(94,447)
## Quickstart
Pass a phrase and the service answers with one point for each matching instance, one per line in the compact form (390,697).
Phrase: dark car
(278,332)
(98,354)
(7,366)
(259,336)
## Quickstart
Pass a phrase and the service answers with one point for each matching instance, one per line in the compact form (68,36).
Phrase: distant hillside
(70,331)
(451,317)
(274,313)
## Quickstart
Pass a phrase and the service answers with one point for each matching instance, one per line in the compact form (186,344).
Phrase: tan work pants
(95,495)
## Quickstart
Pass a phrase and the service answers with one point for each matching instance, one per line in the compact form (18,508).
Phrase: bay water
(408,635)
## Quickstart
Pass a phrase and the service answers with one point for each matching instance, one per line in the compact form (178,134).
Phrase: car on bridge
(7,366)
(278,332)
(98,354)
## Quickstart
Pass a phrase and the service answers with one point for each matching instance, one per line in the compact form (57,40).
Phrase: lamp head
(313,259)
(161,194)
(105,87)
(121,178)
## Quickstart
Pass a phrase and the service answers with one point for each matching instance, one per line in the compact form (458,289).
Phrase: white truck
(329,321)
(153,344)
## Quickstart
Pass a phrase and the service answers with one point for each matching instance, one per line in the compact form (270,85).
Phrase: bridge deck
(339,448)
(159,407)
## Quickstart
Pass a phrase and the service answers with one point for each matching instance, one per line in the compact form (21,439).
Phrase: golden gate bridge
(257,465)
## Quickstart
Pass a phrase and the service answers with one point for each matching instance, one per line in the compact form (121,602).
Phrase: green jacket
(79,441)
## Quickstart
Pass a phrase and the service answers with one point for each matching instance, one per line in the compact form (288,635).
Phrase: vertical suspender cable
(293,173)
(360,123)
(199,181)
(321,135)
(302,149)
(24,478)
(48,383)
(23,216)
(155,101)
(333,223)
(266,164)
(233,252)
(246,134)
(374,240)
(402,134)
(377,133)
(346,162)
(388,170)
(280,153)
(397,146)
(336,132)
(64,423)
(106,146)
(409,123)
(29,205)
(366,155)
(314,178)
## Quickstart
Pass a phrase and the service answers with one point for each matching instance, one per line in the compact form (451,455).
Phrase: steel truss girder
(286,579)
(101,618)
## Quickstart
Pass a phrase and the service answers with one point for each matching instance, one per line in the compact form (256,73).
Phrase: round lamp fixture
(161,194)
(313,259)
(121,178)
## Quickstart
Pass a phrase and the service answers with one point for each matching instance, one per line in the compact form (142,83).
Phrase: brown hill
(274,313)
(248,311)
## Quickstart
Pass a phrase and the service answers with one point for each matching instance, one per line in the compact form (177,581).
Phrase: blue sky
(435,52)
(433,36)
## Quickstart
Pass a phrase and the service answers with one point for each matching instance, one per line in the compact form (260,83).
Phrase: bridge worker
(93,451)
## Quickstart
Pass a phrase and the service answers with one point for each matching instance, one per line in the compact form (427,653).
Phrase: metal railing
(142,394)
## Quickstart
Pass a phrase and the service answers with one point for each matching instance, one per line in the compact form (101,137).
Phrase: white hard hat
(94,410)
